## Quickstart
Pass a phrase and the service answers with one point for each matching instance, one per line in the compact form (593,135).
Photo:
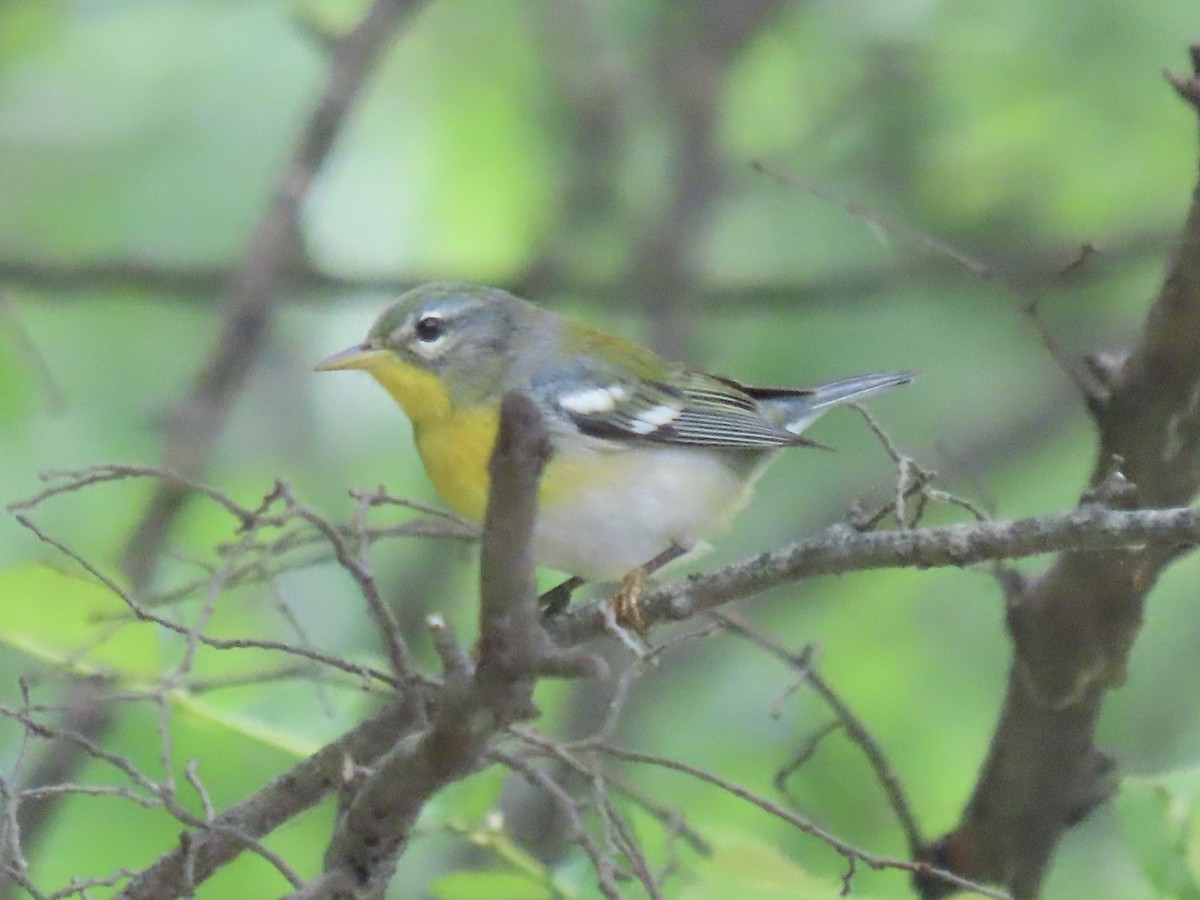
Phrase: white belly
(658,496)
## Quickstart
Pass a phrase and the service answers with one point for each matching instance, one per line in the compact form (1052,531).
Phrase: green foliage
(69,622)
(757,871)
(489,886)
(1015,130)
(81,627)
(1160,817)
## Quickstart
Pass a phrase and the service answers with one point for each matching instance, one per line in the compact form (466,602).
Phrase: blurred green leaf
(471,799)
(750,870)
(66,621)
(488,886)
(59,619)
(27,25)
(488,833)
(1160,817)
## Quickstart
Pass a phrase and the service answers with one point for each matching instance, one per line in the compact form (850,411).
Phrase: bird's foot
(626,603)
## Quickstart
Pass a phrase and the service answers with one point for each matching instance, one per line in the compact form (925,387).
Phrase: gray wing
(695,410)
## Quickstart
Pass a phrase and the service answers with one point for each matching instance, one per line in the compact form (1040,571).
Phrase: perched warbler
(648,456)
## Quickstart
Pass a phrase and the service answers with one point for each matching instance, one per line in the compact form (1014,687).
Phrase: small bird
(648,457)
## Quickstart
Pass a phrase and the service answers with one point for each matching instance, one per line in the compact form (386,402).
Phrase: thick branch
(1073,628)
(513,652)
(298,789)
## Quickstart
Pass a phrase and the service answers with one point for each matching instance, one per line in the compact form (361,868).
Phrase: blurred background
(613,160)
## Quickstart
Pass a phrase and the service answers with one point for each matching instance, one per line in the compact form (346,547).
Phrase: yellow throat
(454,444)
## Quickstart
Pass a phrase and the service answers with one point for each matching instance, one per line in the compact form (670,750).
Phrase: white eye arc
(428,336)
(430,328)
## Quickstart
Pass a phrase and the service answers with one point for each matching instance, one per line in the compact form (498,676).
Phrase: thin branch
(671,819)
(802,664)
(570,810)
(141,613)
(622,836)
(359,566)
(293,792)
(85,712)
(163,792)
(849,851)
(882,223)
(72,480)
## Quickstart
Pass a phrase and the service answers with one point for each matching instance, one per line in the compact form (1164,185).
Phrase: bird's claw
(626,603)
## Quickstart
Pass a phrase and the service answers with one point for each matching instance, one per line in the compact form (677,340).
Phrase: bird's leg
(556,599)
(626,603)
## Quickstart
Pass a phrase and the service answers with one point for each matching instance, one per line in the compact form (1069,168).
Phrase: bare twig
(74,480)
(912,480)
(882,223)
(141,613)
(297,790)
(162,792)
(621,835)
(670,819)
(84,712)
(849,851)
(571,811)
(1085,379)
(359,566)
(854,727)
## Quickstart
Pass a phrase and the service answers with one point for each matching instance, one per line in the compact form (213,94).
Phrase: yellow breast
(455,450)
(456,443)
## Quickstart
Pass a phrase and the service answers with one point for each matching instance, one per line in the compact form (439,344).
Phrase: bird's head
(439,346)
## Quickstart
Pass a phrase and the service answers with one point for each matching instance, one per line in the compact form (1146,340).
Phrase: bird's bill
(362,356)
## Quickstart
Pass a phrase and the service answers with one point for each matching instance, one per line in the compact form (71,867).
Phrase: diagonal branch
(199,417)
(302,787)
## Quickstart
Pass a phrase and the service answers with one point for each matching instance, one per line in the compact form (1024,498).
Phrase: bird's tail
(799,408)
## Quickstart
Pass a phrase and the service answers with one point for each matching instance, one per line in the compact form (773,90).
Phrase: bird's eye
(430,328)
